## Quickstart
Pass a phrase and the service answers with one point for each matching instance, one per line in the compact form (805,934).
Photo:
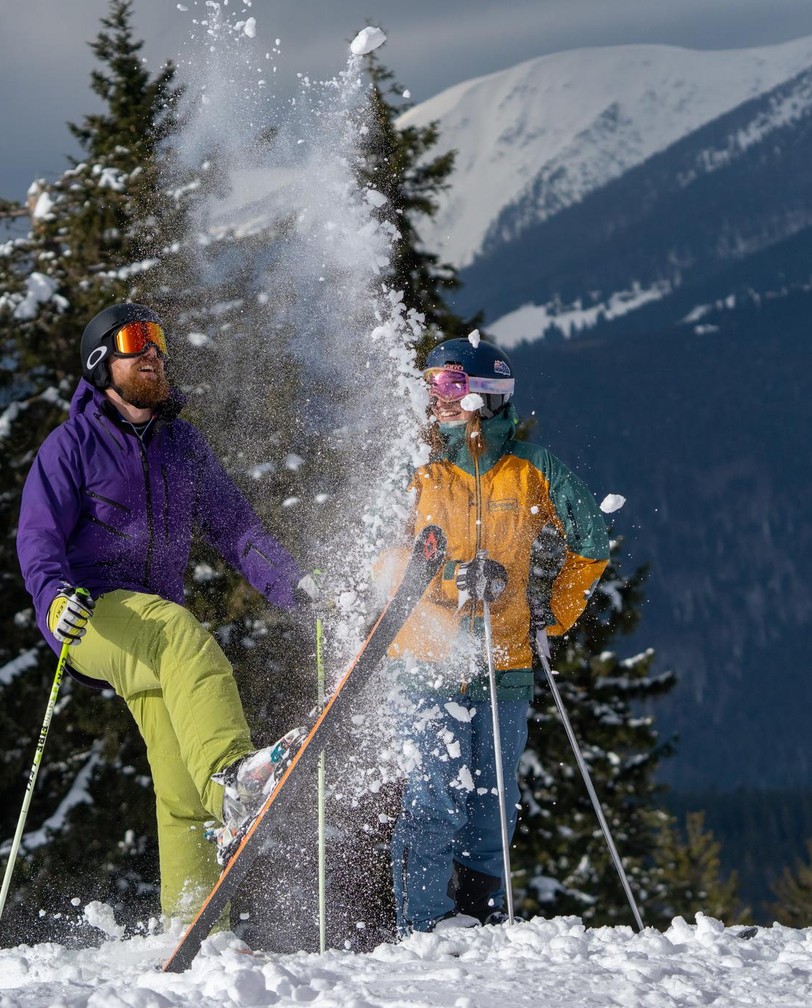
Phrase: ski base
(425,561)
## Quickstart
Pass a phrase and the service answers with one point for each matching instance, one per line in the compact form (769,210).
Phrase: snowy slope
(555,964)
(541,135)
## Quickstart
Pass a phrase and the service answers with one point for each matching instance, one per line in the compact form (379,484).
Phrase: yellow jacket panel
(500,504)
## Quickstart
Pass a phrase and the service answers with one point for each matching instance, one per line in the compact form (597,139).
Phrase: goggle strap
(492,386)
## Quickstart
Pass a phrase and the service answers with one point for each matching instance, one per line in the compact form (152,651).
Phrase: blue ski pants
(450,804)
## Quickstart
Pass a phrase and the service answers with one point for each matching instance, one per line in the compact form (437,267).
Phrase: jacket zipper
(249,546)
(106,429)
(166,501)
(477,542)
(110,528)
(478,507)
(150,528)
(107,500)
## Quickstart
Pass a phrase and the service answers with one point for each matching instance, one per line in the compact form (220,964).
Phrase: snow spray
(293,257)
(287,256)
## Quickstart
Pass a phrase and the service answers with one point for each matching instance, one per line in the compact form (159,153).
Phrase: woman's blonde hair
(436,442)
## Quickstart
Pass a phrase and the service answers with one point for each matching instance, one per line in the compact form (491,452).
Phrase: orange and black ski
(325,727)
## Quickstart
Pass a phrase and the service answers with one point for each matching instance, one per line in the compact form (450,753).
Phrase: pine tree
(399,162)
(562,861)
(688,873)
(793,890)
(90,230)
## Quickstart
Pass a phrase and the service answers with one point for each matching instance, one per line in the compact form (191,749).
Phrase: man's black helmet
(97,339)
(479,360)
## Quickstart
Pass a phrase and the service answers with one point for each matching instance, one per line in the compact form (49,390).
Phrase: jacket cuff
(448,583)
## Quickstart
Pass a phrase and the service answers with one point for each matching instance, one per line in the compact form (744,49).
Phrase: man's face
(140,380)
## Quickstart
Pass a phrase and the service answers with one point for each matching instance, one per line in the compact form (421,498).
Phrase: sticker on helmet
(500,367)
(98,355)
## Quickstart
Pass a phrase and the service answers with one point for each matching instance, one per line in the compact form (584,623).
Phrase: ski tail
(426,559)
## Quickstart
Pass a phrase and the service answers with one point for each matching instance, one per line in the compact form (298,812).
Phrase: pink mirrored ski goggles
(450,384)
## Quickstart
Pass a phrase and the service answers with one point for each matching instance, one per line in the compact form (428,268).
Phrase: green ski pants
(180,688)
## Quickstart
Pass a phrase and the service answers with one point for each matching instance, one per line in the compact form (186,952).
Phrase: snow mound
(556,963)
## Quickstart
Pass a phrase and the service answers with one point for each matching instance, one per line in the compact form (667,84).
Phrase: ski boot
(246,785)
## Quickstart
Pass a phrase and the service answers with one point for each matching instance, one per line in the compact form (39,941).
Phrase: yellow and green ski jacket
(499,503)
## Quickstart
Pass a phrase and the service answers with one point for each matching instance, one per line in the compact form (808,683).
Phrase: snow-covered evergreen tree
(563,865)
(793,905)
(562,861)
(401,163)
(95,237)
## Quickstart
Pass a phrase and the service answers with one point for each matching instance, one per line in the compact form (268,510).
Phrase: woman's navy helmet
(489,371)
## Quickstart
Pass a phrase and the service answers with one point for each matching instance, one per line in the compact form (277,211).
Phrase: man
(110,506)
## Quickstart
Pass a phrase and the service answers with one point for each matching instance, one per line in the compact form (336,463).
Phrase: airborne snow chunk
(366,40)
(612,502)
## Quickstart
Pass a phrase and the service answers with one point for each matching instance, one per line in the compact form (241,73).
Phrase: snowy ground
(554,964)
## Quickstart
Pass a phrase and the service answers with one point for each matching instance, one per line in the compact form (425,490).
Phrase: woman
(545,546)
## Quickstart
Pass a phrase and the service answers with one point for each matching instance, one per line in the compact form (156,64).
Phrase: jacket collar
(497,434)
(88,399)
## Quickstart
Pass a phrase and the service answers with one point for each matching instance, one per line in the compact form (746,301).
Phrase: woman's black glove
(481,579)
(547,555)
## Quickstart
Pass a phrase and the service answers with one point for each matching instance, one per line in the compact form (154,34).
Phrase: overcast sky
(45,61)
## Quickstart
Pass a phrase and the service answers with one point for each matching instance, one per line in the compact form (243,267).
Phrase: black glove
(482,579)
(547,555)
(70,609)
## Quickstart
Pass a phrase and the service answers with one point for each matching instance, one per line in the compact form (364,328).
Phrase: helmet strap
(493,404)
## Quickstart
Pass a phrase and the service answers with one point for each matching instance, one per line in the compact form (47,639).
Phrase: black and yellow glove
(68,614)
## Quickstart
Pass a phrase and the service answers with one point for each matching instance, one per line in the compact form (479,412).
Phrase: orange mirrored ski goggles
(133,339)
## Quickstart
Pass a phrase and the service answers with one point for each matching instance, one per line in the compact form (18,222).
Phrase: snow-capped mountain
(728,191)
(540,136)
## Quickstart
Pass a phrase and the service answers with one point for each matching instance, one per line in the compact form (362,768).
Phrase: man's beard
(144,391)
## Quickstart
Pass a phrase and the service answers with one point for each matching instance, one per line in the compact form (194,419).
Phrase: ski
(426,558)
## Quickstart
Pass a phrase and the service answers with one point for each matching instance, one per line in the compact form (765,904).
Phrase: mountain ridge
(543,134)
(663,223)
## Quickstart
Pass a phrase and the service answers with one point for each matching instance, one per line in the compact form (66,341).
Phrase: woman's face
(448,410)
(448,390)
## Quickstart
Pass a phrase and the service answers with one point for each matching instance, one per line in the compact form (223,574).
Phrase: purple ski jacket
(103,511)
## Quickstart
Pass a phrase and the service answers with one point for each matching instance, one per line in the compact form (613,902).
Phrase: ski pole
(497,754)
(543,649)
(320,803)
(32,777)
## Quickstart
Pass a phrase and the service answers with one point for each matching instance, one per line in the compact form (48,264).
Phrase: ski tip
(746,932)
(432,542)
